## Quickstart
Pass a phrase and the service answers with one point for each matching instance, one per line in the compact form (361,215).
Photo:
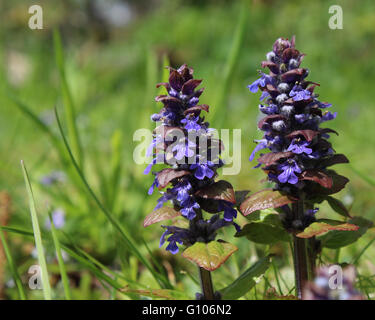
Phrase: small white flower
(281,98)
(283,87)
(278,125)
(293,63)
(270,55)
(287,110)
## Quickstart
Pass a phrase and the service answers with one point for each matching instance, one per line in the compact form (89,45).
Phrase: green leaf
(158,293)
(161,214)
(245,282)
(37,236)
(209,256)
(338,206)
(319,228)
(338,239)
(264,233)
(263,200)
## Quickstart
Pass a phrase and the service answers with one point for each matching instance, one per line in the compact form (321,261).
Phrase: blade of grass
(116,168)
(60,260)
(13,268)
(218,114)
(68,100)
(37,236)
(356,259)
(113,220)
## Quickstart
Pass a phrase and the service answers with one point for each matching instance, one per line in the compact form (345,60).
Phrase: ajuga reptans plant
(184,142)
(297,156)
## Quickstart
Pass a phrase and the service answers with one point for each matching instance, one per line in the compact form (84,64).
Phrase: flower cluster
(184,141)
(300,151)
(337,285)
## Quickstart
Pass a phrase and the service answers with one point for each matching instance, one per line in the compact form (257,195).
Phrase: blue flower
(191,123)
(154,184)
(178,235)
(203,170)
(328,116)
(183,149)
(164,198)
(262,81)
(262,144)
(229,212)
(299,146)
(271,109)
(189,207)
(299,94)
(289,169)
(182,190)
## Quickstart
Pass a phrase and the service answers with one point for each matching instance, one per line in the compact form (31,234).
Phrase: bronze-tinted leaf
(307,134)
(270,119)
(271,294)
(167,175)
(165,294)
(318,228)
(337,239)
(169,102)
(272,157)
(338,183)
(290,53)
(176,80)
(264,199)
(335,159)
(317,176)
(209,256)
(190,85)
(293,75)
(271,65)
(272,90)
(221,190)
(197,109)
(328,130)
(161,214)
(164,84)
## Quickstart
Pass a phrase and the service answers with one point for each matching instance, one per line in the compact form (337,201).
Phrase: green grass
(37,236)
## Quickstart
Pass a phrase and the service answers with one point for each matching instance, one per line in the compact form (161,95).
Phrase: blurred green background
(114,53)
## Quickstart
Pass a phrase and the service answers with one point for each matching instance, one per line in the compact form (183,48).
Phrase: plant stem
(206,284)
(300,253)
(205,275)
